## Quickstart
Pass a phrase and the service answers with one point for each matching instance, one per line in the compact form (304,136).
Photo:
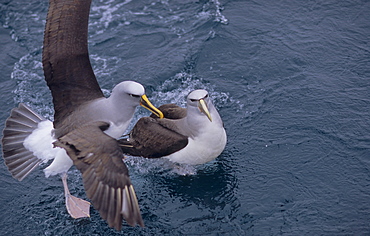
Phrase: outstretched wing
(65,57)
(105,176)
(152,139)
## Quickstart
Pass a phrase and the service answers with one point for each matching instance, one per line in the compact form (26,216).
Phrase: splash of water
(31,87)
(218,15)
(176,89)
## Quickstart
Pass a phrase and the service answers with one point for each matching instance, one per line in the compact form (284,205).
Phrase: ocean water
(291,80)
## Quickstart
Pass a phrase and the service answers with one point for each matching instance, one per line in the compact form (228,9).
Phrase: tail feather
(13,137)
(21,171)
(23,115)
(21,123)
(20,158)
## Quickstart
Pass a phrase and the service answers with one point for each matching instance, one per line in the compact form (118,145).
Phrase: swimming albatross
(86,124)
(192,135)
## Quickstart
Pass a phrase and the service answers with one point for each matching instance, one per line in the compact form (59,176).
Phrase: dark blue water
(291,80)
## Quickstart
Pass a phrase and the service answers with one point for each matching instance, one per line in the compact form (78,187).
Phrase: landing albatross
(86,124)
(192,135)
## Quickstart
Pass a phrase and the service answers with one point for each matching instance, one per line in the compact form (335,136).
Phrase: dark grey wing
(150,138)
(105,176)
(171,111)
(65,57)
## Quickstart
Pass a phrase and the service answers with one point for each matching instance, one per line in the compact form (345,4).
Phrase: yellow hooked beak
(202,105)
(144,102)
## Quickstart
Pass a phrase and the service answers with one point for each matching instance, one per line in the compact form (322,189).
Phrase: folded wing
(152,139)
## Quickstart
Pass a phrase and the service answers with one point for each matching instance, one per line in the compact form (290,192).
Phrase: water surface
(289,78)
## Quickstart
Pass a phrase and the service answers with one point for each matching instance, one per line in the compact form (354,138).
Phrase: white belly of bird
(116,130)
(202,149)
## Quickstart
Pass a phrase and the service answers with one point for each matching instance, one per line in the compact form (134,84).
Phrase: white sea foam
(110,14)
(104,66)
(31,87)
(161,166)
(106,13)
(218,15)
(176,89)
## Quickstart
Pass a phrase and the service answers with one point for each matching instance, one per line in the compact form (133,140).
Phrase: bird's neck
(121,112)
(198,123)
(117,114)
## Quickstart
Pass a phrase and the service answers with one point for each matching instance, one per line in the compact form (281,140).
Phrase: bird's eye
(134,95)
(193,100)
(206,96)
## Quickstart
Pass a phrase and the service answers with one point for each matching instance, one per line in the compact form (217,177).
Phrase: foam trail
(31,87)
(219,17)
(176,89)
(107,15)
